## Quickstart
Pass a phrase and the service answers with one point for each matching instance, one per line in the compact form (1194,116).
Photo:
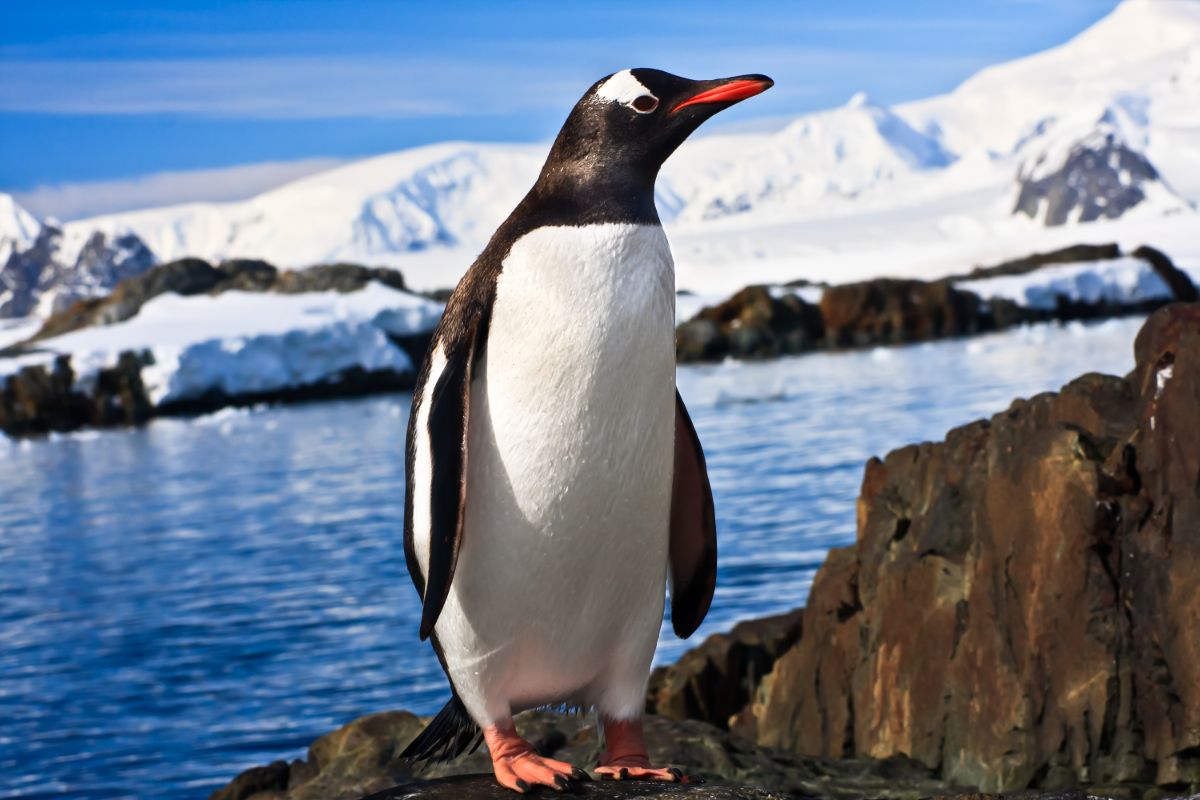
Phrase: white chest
(561,575)
(580,366)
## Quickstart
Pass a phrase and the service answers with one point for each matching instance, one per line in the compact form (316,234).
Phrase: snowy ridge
(830,157)
(18,228)
(445,194)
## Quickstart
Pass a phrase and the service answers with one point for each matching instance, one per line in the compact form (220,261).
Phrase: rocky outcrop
(360,759)
(40,399)
(717,680)
(760,321)
(888,311)
(1022,605)
(752,324)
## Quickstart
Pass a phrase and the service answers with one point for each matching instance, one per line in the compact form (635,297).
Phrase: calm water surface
(184,601)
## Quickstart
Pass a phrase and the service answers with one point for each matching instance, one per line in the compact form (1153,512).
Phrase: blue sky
(113,91)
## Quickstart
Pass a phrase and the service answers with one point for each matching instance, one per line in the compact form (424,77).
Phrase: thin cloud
(66,201)
(285,87)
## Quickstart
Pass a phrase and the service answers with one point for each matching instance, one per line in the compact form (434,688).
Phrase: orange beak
(731,92)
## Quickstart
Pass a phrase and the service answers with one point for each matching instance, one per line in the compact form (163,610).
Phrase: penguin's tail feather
(447,736)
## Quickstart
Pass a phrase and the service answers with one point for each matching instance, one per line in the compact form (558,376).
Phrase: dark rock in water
(755,323)
(40,399)
(1101,178)
(484,787)
(718,679)
(896,311)
(360,759)
(1180,284)
(751,324)
(1022,606)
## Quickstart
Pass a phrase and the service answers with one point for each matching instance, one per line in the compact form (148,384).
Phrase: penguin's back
(558,593)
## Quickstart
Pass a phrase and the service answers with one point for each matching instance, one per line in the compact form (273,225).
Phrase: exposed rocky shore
(59,395)
(762,322)
(39,398)
(1020,612)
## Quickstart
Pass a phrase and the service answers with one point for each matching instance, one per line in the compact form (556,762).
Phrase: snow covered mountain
(18,228)
(1095,140)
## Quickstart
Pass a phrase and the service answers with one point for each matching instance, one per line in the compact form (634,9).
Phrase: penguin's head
(632,120)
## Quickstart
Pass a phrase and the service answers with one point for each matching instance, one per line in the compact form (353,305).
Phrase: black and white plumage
(555,481)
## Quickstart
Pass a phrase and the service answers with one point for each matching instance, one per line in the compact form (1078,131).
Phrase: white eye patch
(622,88)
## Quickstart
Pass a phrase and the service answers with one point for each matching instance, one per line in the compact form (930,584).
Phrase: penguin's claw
(642,771)
(625,757)
(520,768)
(524,771)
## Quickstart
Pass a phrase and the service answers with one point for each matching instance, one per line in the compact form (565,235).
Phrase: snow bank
(15,330)
(243,342)
(1120,281)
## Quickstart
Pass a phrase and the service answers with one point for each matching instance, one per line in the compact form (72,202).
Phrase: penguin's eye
(645,103)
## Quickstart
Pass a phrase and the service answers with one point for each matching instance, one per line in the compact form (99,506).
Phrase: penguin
(555,483)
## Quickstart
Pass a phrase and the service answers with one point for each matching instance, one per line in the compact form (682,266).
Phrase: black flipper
(449,422)
(447,736)
(693,530)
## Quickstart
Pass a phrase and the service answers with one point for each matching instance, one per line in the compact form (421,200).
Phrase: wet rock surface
(1022,606)
(360,759)
(484,787)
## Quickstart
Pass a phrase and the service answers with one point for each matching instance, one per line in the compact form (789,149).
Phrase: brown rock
(40,399)
(751,324)
(1022,605)
(715,681)
(189,276)
(888,311)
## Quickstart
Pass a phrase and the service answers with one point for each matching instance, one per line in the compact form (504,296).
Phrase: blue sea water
(180,602)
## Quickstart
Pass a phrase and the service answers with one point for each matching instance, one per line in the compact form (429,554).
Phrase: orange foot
(519,768)
(625,756)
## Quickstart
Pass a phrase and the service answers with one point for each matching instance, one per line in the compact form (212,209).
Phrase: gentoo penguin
(555,482)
